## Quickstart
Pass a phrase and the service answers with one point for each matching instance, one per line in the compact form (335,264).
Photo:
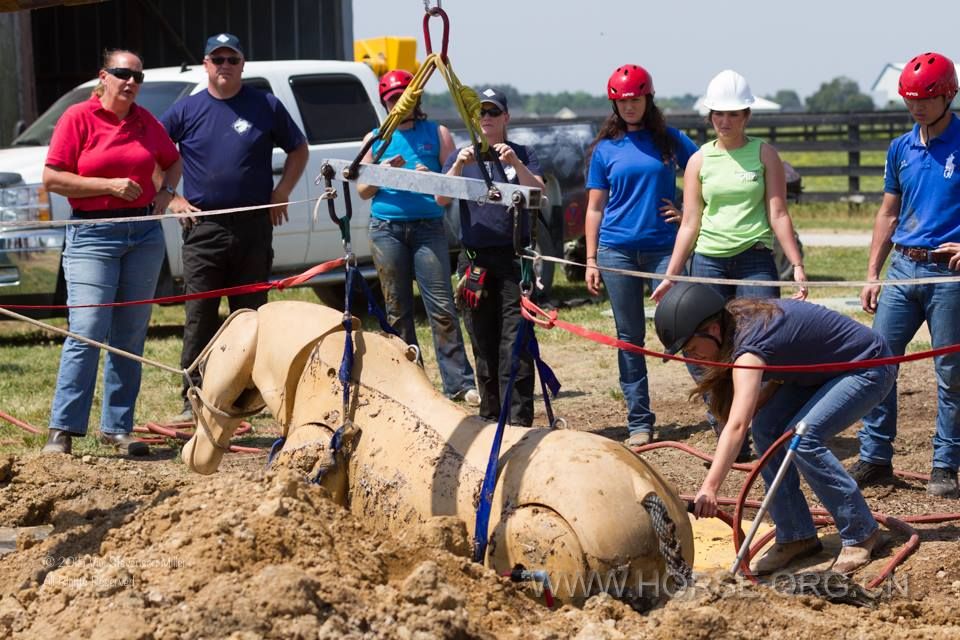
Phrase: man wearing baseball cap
(226,136)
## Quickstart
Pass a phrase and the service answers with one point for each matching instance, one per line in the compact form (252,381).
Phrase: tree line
(839,94)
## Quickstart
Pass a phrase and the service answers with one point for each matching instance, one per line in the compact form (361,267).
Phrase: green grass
(29,357)
(833,216)
(801,159)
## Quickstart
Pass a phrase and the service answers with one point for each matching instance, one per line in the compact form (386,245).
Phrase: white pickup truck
(334,103)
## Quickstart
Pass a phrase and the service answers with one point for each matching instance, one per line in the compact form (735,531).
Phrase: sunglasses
(125,74)
(493,113)
(219,60)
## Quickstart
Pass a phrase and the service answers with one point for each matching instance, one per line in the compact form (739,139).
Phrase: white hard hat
(728,91)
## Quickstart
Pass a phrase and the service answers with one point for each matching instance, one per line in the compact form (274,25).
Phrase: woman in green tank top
(734,202)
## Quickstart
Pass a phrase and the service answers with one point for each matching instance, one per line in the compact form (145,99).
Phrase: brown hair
(106,62)
(716,385)
(709,117)
(615,127)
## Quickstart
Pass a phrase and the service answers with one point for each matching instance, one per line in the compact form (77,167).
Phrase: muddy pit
(112,548)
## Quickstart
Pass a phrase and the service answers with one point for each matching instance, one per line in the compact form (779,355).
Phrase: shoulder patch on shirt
(241,126)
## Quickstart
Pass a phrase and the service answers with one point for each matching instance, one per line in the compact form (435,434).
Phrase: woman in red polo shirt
(111,159)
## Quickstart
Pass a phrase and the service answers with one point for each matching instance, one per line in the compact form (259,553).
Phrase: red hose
(26,426)
(168,431)
(172,431)
(706,457)
(821,517)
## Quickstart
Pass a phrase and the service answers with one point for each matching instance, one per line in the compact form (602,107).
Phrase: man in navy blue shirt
(226,136)
(919,219)
(490,291)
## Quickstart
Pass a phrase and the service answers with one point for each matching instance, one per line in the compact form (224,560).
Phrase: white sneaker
(472,398)
(469,397)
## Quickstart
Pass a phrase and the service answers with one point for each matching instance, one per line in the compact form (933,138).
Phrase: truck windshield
(154,96)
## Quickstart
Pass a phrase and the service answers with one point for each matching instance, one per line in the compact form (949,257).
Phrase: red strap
(292,281)
(528,309)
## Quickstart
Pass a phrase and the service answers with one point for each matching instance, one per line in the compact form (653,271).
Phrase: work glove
(472,289)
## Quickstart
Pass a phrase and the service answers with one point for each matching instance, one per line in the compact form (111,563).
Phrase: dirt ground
(144,550)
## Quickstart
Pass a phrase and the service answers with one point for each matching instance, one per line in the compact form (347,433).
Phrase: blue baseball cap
(227,40)
(494,97)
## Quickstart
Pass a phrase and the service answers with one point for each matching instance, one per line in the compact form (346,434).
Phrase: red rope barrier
(256,287)
(549,320)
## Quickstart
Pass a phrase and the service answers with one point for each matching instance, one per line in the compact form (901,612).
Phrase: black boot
(869,473)
(943,483)
(58,441)
(125,443)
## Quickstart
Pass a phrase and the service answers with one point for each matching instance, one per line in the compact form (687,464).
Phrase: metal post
(799,432)
(853,161)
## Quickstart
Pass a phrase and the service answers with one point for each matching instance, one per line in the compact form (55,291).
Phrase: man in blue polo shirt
(919,219)
(226,136)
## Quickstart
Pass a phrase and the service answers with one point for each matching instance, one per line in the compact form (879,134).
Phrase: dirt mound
(144,551)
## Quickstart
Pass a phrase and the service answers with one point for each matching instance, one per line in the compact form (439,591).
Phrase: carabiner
(327,172)
(436,11)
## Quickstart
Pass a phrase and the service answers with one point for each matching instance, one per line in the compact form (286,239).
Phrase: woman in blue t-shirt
(408,240)
(695,319)
(631,220)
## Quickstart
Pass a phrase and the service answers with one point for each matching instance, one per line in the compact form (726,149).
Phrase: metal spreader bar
(438,184)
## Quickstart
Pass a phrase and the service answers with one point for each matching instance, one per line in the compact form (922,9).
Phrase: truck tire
(575,251)
(784,266)
(549,236)
(546,246)
(166,286)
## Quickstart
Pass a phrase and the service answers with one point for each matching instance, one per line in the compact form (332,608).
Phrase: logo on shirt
(949,166)
(747,176)
(241,126)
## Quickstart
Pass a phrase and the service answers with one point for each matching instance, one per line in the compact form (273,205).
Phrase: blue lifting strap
(490,477)
(548,379)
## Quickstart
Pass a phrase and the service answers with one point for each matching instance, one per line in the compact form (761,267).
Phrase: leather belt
(921,254)
(112,213)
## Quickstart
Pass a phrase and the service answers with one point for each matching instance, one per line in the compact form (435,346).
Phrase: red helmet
(394,82)
(929,75)
(629,81)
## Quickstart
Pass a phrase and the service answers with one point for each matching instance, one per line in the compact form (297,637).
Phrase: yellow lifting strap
(464,98)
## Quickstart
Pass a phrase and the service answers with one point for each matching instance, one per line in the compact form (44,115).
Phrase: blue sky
(558,45)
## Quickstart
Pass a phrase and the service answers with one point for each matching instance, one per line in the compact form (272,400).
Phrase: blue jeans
(900,312)
(418,249)
(626,298)
(105,263)
(827,409)
(752,264)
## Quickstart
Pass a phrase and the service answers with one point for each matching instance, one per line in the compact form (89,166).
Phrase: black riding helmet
(684,308)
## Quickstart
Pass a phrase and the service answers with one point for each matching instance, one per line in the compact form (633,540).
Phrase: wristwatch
(169,189)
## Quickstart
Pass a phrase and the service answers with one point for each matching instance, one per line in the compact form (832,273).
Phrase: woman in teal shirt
(408,241)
